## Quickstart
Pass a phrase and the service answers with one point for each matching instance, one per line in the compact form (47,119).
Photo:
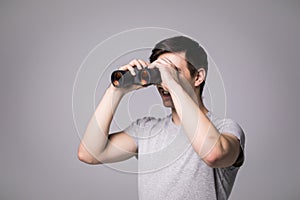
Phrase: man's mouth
(163,92)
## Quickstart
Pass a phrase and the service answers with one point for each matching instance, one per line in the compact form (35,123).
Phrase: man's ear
(200,76)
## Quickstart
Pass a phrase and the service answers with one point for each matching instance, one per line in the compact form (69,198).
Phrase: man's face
(179,62)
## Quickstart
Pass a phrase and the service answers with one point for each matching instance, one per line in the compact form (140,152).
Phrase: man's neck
(175,118)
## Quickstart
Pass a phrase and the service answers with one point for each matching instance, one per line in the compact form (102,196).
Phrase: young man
(190,154)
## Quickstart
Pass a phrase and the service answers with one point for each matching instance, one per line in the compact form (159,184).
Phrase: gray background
(255,44)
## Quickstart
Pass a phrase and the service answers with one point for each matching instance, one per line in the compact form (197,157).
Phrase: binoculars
(144,77)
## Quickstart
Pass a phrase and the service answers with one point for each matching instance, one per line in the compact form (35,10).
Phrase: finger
(128,68)
(136,63)
(124,67)
(143,63)
(131,69)
(167,60)
(157,64)
(152,65)
(163,62)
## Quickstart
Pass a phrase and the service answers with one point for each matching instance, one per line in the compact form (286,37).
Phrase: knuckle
(122,67)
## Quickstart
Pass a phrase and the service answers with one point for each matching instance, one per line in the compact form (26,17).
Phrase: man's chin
(167,101)
(168,104)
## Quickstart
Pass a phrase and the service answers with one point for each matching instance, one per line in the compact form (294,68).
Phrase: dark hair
(195,55)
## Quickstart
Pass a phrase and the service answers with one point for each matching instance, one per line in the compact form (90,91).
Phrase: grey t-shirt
(170,169)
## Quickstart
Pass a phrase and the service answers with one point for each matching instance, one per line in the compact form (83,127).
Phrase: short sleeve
(138,128)
(132,130)
(232,127)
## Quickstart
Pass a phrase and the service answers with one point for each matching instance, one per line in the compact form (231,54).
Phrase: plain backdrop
(255,44)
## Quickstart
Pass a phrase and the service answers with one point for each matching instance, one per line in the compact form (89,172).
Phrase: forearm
(95,137)
(199,129)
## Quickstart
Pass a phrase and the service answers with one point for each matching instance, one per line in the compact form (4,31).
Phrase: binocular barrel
(144,77)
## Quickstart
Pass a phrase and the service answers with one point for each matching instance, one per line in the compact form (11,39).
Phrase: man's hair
(195,55)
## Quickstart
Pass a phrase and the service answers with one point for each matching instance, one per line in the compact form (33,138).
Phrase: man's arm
(97,146)
(215,149)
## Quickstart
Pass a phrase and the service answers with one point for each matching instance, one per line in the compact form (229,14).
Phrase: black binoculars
(144,77)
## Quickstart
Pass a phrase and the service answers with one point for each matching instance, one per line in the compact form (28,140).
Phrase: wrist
(117,92)
(172,86)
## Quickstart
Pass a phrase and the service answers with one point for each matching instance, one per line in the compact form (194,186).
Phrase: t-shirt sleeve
(133,129)
(138,128)
(232,127)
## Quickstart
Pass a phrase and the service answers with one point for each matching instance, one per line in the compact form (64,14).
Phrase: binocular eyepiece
(144,77)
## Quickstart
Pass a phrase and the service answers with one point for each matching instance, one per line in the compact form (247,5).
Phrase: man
(190,154)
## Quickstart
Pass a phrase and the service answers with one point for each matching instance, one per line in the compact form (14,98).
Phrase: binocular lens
(145,77)
(116,76)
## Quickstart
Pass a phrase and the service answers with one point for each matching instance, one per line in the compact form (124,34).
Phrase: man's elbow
(212,160)
(224,153)
(83,158)
(86,157)
(219,158)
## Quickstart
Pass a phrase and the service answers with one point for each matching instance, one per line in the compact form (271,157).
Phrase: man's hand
(136,63)
(168,71)
(171,73)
